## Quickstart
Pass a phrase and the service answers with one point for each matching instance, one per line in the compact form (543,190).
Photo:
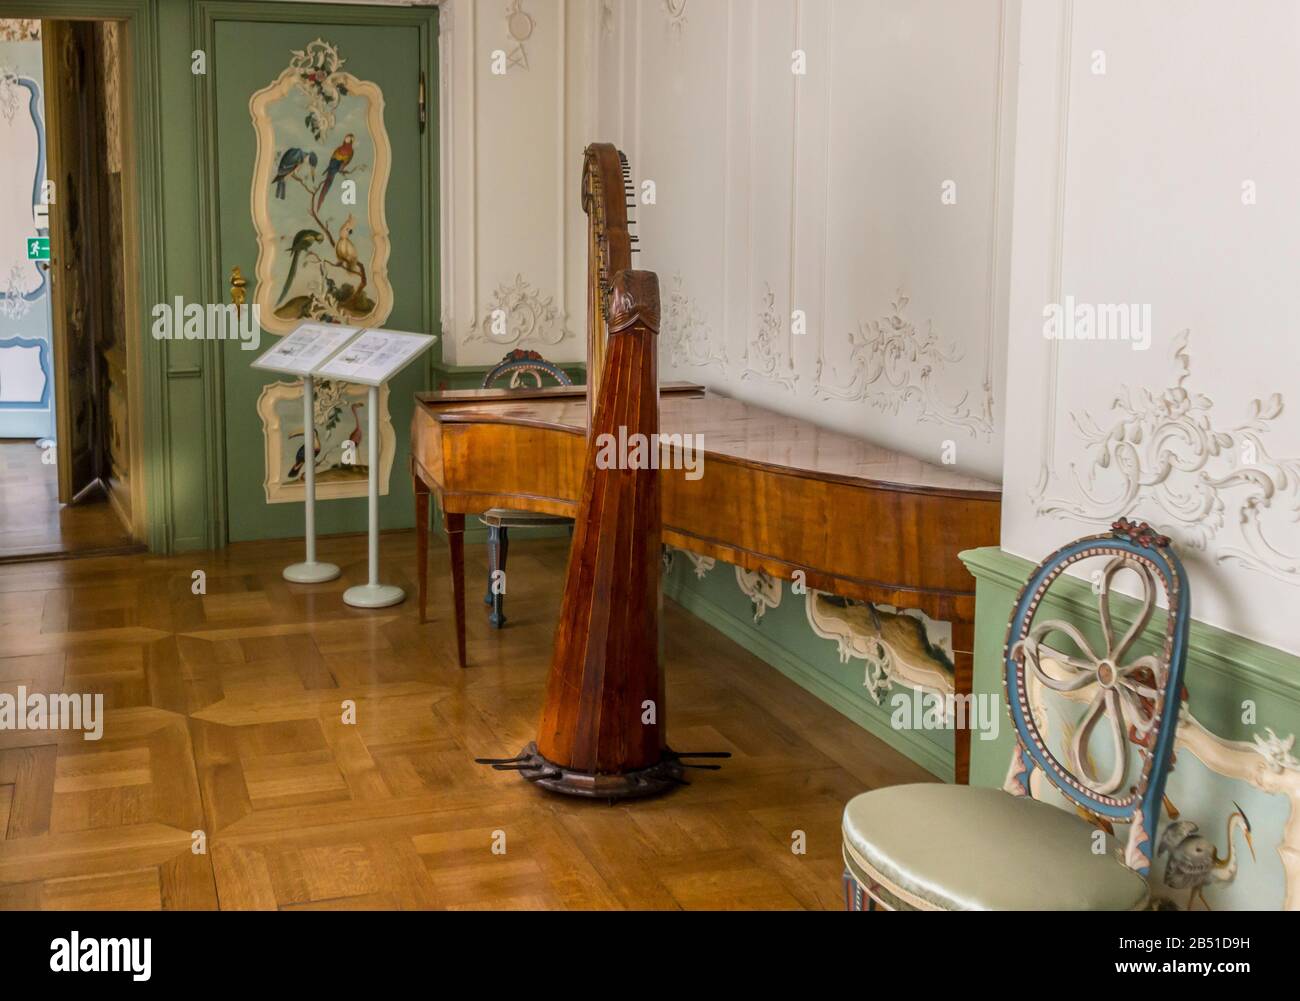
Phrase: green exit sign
(38,248)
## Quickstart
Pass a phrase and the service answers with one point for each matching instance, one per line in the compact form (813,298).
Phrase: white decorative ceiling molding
(766,358)
(895,364)
(675,11)
(688,334)
(519,313)
(898,646)
(1166,458)
(759,588)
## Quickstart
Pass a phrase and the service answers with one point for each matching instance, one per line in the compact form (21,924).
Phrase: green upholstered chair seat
(960,848)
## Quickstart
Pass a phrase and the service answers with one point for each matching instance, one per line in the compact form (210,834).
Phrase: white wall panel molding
(894,366)
(1051,417)
(519,27)
(675,12)
(767,359)
(815,196)
(513,231)
(1134,158)
(447,165)
(1168,453)
(689,338)
(519,314)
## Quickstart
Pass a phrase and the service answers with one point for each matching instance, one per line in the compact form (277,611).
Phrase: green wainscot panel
(783,637)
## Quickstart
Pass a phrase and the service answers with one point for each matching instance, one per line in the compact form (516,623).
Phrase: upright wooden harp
(602,728)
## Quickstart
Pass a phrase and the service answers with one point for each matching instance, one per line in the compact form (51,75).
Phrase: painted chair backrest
(520,365)
(1137,699)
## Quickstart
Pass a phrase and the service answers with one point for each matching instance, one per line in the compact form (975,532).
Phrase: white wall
(514,236)
(1129,189)
(822,193)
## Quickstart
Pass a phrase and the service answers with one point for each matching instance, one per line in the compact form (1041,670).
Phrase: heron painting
(341,446)
(1194,860)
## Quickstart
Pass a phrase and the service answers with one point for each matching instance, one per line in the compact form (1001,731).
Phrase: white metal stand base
(374,596)
(311,573)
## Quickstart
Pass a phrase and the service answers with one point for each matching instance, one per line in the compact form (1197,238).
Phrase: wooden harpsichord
(778,494)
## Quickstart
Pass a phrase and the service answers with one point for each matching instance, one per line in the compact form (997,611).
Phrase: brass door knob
(237,286)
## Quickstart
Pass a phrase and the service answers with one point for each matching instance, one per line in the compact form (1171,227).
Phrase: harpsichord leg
(422,543)
(455,528)
(963,647)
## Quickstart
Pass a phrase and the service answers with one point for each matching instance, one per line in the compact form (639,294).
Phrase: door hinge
(424,114)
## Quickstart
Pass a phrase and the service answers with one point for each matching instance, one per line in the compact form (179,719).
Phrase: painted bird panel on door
(322,170)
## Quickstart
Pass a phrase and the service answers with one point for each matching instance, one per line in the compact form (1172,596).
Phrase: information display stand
(310,345)
(372,359)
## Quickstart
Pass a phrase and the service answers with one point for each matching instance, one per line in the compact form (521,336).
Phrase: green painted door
(246,56)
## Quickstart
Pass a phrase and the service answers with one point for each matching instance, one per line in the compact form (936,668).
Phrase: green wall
(183,390)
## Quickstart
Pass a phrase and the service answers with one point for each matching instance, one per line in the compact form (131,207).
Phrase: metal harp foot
(642,784)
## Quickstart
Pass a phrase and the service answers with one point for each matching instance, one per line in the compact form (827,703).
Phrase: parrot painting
(339,160)
(289,163)
(302,242)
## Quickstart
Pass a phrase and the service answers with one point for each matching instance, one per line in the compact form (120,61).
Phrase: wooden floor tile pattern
(32,521)
(224,721)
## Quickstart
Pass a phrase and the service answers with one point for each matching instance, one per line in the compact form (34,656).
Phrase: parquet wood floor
(224,714)
(33,523)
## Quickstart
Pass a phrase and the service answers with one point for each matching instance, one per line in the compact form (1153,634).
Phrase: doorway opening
(70,463)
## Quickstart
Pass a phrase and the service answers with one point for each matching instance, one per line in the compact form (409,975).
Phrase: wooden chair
(938,847)
(517,370)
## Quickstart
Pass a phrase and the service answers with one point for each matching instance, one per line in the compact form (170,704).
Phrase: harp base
(641,784)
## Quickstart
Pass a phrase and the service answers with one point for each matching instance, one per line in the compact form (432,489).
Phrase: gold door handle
(237,286)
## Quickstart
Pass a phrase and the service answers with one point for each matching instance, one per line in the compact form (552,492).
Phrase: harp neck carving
(634,300)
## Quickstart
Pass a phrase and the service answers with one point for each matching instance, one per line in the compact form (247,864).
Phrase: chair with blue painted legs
(518,370)
(941,847)
(498,552)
